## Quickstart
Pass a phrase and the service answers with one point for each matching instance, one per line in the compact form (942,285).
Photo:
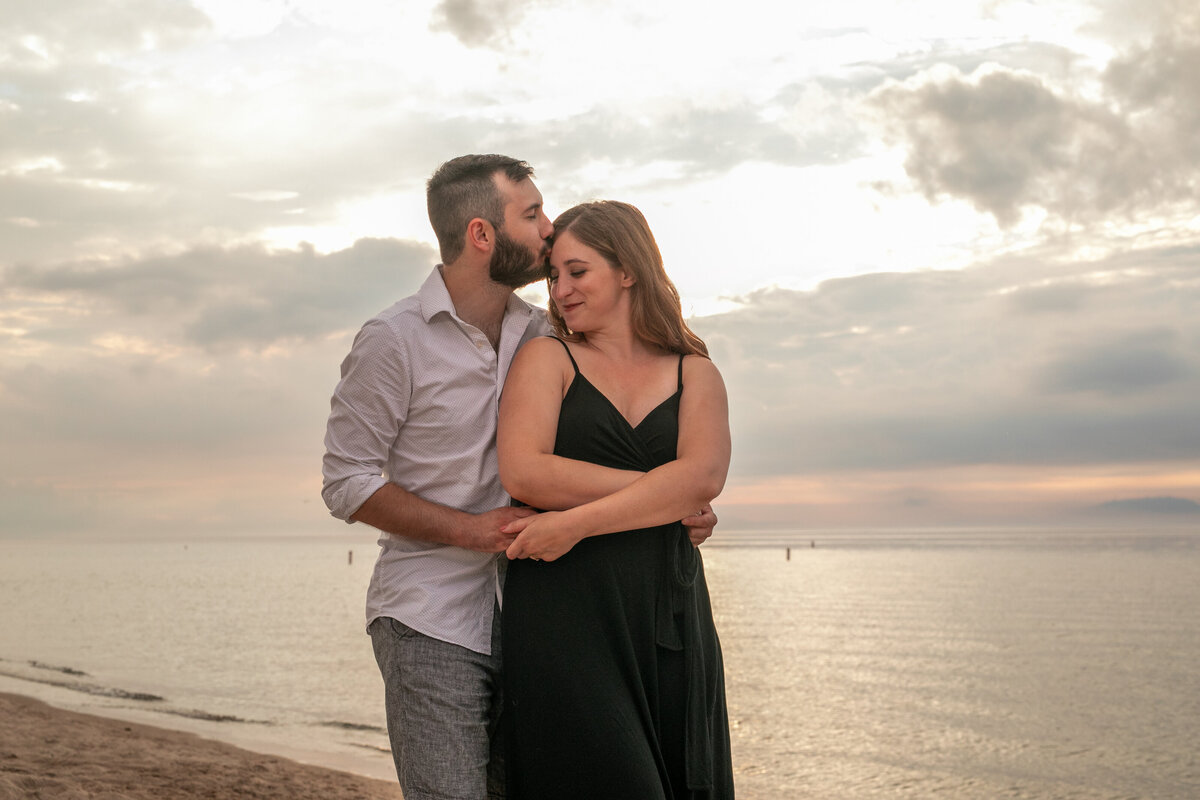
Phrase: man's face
(519,256)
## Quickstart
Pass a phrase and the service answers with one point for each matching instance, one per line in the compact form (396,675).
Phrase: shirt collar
(435,299)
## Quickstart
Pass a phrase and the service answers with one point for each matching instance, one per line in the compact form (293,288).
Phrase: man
(411,450)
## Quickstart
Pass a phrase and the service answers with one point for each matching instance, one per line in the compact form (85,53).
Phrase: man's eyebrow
(533,207)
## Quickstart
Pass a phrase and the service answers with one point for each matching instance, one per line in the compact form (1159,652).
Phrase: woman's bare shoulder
(700,368)
(543,349)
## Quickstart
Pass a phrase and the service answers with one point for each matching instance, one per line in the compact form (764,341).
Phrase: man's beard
(514,265)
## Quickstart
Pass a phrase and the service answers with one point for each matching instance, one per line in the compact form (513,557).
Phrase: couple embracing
(604,419)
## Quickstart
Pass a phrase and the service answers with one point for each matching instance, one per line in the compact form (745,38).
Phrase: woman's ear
(627,279)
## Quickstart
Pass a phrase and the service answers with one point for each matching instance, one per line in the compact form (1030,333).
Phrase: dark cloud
(215,298)
(477,23)
(171,380)
(1125,365)
(168,382)
(1006,140)
(1024,361)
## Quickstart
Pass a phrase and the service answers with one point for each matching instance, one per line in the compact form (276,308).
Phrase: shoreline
(340,748)
(46,751)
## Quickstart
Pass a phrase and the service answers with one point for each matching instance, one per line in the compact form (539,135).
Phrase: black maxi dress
(613,679)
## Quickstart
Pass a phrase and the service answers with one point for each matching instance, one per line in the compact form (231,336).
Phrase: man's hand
(484,535)
(700,525)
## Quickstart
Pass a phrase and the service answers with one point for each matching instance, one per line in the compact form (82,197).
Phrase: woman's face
(588,291)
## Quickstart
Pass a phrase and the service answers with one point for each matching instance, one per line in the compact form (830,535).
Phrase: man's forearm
(395,510)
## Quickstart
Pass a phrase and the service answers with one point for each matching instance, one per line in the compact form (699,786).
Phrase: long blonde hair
(620,233)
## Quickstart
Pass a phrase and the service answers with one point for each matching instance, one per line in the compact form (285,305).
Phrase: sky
(946,253)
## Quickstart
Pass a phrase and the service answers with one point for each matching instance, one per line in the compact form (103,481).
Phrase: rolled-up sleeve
(367,410)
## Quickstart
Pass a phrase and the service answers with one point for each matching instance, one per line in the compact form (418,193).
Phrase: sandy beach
(47,752)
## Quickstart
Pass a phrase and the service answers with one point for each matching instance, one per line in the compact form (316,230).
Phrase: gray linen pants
(443,708)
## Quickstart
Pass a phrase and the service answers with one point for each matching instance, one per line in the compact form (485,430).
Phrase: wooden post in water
(789,554)
(350,557)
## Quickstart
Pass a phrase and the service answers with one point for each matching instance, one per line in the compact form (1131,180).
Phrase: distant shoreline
(51,752)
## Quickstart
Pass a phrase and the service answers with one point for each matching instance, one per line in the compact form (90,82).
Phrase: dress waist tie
(678,628)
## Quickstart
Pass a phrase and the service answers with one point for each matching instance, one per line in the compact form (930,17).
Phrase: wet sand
(47,752)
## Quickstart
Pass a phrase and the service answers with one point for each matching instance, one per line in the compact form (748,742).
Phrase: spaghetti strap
(576,366)
(679,388)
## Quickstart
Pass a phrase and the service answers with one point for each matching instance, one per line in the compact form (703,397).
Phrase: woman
(619,428)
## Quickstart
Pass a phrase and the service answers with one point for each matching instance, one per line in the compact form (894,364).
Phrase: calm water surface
(1018,671)
(968,666)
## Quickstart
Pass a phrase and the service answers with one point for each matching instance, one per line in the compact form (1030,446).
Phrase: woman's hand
(700,525)
(543,537)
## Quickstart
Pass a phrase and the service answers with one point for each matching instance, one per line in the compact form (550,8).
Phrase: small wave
(96,690)
(352,726)
(207,716)
(64,670)
(120,694)
(79,686)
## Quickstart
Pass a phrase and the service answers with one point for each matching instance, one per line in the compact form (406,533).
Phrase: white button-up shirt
(417,405)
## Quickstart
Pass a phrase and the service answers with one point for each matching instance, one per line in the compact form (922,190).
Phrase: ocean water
(961,664)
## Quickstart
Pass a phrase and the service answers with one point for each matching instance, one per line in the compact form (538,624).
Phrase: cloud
(1025,360)
(220,299)
(175,380)
(476,23)
(35,34)
(697,142)
(1124,365)
(168,391)
(109,149)
(1054,61)
(161,382)
(125,128)
(1134,22)
(1008,140)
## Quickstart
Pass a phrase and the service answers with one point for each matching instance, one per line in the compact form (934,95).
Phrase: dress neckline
(580,376)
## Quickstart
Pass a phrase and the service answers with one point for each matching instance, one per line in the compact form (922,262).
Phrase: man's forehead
(522,193)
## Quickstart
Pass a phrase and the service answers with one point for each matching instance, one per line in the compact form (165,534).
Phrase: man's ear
(481,235)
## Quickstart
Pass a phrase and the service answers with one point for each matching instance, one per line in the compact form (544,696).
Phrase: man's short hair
(464,188)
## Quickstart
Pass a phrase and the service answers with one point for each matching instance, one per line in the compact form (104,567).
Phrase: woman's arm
(533,393)
(665,494)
